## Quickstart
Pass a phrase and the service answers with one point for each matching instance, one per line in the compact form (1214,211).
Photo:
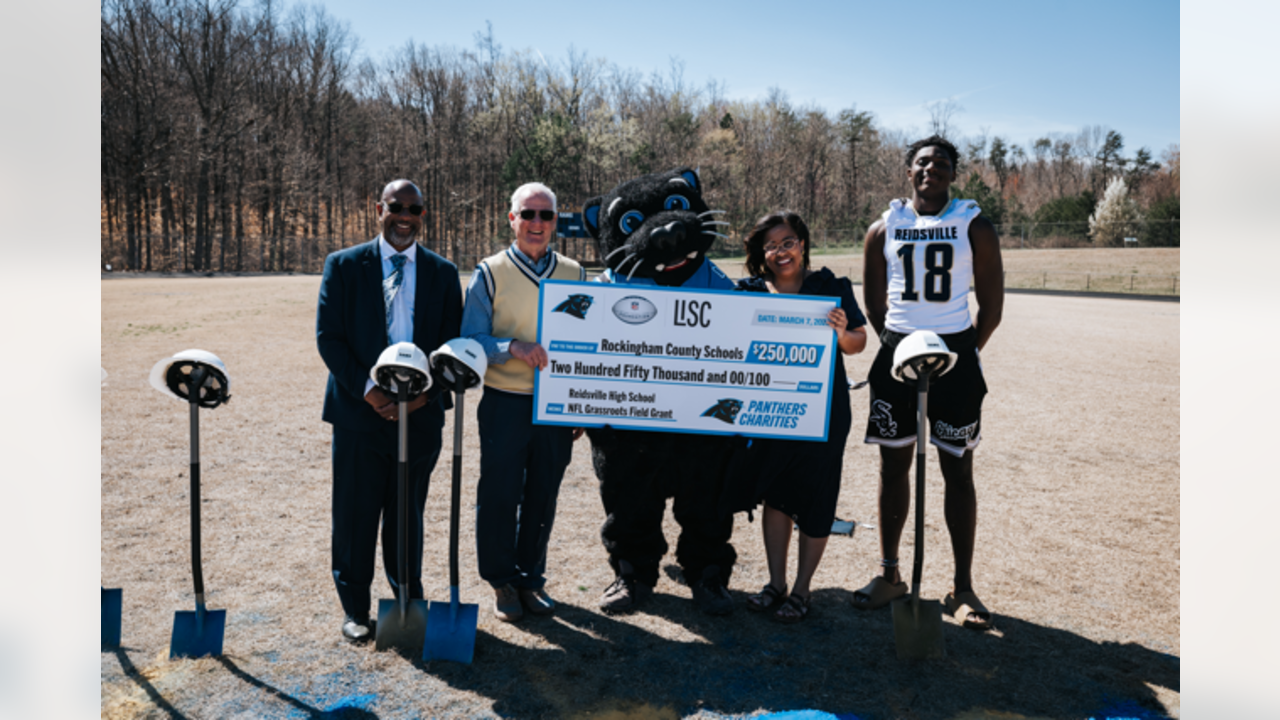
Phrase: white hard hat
(922,348)
(461,363)
(402,363)
(172,375)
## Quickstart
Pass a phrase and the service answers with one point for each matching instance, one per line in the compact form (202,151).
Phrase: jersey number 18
(937,277)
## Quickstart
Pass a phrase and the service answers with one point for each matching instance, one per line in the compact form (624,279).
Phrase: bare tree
(941,115)
(235,136)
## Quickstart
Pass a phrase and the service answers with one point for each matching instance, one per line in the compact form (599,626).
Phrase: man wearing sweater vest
(521,464)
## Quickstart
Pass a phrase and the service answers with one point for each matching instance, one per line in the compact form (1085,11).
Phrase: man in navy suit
(382,292)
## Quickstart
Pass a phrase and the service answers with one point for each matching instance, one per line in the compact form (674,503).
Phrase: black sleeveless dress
(801,478)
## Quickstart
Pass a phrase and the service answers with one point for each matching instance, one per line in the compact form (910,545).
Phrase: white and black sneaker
(624,594)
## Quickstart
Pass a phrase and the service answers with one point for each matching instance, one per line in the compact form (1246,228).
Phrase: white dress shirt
(401,329)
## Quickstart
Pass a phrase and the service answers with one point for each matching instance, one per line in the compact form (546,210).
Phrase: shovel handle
(197,572)
(922,441)
(193,398)
(403,498)
(456,499)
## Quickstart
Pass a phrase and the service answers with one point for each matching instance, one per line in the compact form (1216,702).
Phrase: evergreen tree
(1068,216)
(1108,158)
(1140,168)
(999,159)
(1161,228)
(988,199)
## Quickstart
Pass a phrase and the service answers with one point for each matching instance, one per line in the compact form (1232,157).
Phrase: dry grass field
(1078,557)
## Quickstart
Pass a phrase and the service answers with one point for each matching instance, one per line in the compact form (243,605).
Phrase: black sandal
(768,598)
(797,605)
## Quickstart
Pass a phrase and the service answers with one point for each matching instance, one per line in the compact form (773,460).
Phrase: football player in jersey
(920,258)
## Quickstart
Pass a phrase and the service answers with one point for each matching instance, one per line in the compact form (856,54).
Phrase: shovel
(402,622)
(199,633)
(112,600)
(451,630)
(917,624)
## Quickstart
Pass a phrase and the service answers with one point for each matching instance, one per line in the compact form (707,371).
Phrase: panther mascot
(656,230)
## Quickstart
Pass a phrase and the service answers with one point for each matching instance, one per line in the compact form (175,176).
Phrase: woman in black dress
(803,480)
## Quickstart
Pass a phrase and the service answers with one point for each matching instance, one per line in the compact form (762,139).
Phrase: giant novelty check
(643,357)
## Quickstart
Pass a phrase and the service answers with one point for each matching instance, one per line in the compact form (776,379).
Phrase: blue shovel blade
(112,600)
(195,636)
(451,631)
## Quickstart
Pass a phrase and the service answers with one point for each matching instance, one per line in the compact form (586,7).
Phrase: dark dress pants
(365,493)
(521,466)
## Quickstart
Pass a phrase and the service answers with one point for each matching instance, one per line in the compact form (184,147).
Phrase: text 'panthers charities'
(684,360)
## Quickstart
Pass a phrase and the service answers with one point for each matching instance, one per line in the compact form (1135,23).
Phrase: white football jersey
(930,265)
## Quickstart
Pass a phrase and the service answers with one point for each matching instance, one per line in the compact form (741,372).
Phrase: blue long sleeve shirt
(477,313)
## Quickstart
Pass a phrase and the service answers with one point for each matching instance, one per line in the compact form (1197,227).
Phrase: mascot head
(655,226)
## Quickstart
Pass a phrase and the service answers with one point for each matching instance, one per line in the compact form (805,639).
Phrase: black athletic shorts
(955,399)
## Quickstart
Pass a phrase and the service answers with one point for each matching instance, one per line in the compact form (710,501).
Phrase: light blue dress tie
(391,285)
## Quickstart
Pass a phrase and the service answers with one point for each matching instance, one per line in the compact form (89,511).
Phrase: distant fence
(252,253)
(256,254)
(841,241)
(1032,279)
(1093,282)
(821,240)
(1028,235)
(1034,235)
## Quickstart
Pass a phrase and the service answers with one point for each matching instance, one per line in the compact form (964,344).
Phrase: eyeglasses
(395,208)
(783,246)
(546,215)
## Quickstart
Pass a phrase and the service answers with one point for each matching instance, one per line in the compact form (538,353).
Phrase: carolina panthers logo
(880,416)
(725,411)
(575,305)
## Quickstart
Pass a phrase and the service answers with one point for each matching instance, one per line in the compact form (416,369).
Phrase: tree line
(255,138)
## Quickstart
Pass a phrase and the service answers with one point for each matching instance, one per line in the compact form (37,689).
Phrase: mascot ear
(591,216)
(691,177)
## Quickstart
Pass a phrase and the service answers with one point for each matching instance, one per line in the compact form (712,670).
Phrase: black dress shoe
(357,631)
(710,594)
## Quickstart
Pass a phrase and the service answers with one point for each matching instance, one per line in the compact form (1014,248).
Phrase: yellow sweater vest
(513,289)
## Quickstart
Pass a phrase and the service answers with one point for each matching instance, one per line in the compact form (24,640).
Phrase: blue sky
(1019,69)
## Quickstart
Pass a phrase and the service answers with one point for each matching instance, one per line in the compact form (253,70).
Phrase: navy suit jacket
(351,331)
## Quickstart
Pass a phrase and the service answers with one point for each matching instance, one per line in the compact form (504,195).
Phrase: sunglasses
(546,215)
(395,208)
(783,246)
